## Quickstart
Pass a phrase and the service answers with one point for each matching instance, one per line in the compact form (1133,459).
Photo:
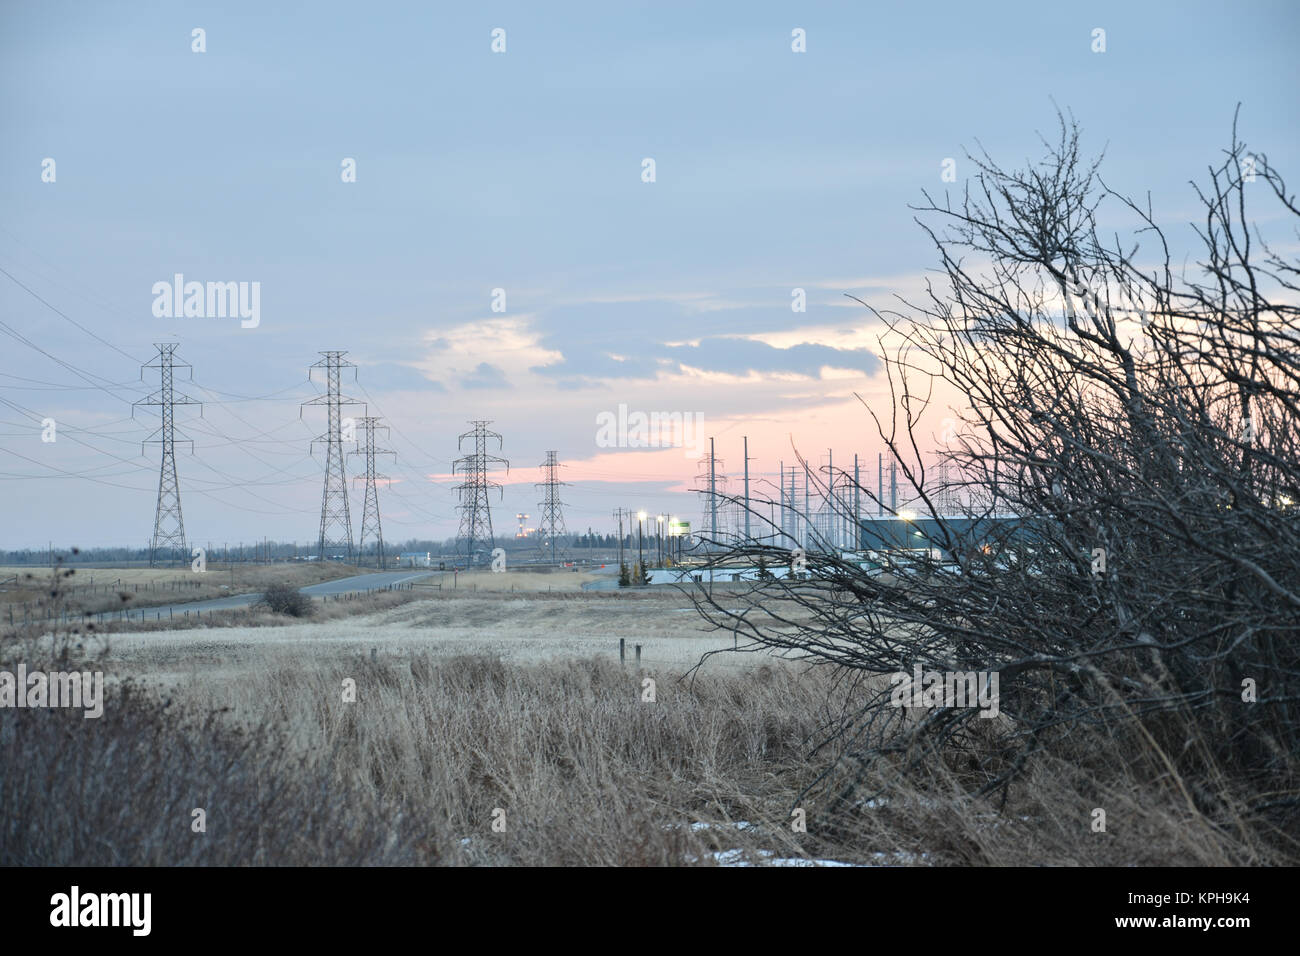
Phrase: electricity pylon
(714,487)
(335,515)
(475,512)
(168,524)
(551,526)
(370,515)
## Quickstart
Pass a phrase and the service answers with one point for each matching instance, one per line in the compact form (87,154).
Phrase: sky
(524,171)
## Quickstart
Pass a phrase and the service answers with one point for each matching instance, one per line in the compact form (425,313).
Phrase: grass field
(102,589)
(530,579)
(530,628)
(473,706)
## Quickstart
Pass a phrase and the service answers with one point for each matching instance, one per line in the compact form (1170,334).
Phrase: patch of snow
(739,858)
(739,825)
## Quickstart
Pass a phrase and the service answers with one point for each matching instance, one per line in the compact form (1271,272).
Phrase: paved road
(356,583)
(366,582)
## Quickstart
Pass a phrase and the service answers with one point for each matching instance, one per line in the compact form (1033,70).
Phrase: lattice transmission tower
(550,528)
(475,512)
(335,515)
(370,524)
(719,510)
(168,524)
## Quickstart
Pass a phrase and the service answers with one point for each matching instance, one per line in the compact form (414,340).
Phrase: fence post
(638,657)
(622,653)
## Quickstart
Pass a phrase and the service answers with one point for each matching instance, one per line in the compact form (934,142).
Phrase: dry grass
(543,579)
(102,589)
(409,773)
(524,628)
(466,704)
(585,770)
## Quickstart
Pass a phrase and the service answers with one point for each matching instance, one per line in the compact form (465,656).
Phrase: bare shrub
(286,599)
(1125,547)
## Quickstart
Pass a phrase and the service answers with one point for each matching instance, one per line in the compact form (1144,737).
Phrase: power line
(63,315)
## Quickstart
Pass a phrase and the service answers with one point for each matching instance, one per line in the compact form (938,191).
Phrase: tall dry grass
(586,772)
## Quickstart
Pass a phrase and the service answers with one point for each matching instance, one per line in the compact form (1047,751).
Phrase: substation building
(942,538)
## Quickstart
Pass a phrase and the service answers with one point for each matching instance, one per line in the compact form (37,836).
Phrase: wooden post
(638,656)
(622,653)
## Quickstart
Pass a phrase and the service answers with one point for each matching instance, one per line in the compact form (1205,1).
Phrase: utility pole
(880,484)
(830,495)
(794,512)
(780,489)
(335,513)
(807,511)
(747,490)
(168,524)
(855,532)
(370,523)
(619,513)
(713,501)
(475,513)
(893,485)
(640,546)
(551,525)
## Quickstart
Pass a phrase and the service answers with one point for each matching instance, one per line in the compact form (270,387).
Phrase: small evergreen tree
(624,579)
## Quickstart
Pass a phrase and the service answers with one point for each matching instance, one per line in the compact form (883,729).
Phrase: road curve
(350,585)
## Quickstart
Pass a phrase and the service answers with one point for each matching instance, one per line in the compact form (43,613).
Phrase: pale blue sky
(522,171)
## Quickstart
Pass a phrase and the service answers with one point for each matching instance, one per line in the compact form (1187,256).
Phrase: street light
(659,535)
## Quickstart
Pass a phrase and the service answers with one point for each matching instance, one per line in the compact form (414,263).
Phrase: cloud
(606,340)
(739,356)
(397,376)
(643,339)
(485,376)
(485,353)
